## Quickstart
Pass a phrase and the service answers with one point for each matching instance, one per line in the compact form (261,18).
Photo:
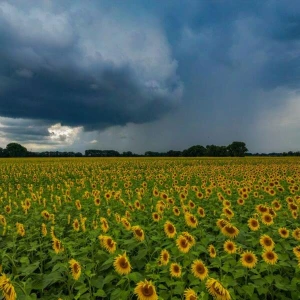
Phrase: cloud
(150,75)
(279,126)
(63,134)
(64,66)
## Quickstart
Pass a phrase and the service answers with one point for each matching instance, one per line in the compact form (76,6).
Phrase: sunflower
(293,207)
(266,242)
(221,223)
(296,234)
(261,208)
(8,290)
(170,229)
(7,209)
(199,270)
(199,195)
(253,224)
(191,220)
(122,264)
(126,223)
(190,294)
(284,233)
(137,204)
(104,225)
(228,212)
(267,219)
(155,192)
(296,251)
(20,229)
(78,204)
(57,245)
(230,231)
(175,270)
(155,217)
(45,214)
(276,204)
(44,229)
(97,201)
(217,290)
(76,225)
(248,259)
(107,243)
(212,251)
(201,212)
(294,215)
(138,233)
(2,220)
(189,237)
(230,247)
(191,204)
(183,244)
(226,203)
(75,268)
(164,257)
(270,257)
(176,211)
(117,218)
(240,201)
(145,290)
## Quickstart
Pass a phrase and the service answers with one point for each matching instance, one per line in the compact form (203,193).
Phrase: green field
(149,229)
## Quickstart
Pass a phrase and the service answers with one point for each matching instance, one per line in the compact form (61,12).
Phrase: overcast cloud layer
(140,76)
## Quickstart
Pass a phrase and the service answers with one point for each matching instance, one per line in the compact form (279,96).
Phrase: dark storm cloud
(116,63)
(48,72)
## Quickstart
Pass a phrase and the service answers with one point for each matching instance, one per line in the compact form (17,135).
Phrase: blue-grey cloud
(112,66)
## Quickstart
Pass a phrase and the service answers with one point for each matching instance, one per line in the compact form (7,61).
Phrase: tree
(237,149)
(194,151)
(16,150)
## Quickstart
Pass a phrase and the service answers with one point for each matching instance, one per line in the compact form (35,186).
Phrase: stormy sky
(149,75)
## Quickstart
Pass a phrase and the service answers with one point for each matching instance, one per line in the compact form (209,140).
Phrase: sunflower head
(267,219)
(230,247)
(8,290)
(183,244)
(122,264)
(191,220)
(170,229)
(296,251)
(155,217)
(175,270)
(248,259)
(138,233)
(164,257)
(230,231)
(283,232)
(212,251)
(145,290)
(253,224)
(190,238)
(199,270)
(217,290)
(75,268)
(176,211)
(201,212)
(190,294)
(270,257)
(266,242)
(296,234)
(221,223)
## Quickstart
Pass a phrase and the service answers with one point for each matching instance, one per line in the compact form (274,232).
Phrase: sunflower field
(148,229)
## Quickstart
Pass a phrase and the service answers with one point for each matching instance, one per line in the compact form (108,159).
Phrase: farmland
(145,228)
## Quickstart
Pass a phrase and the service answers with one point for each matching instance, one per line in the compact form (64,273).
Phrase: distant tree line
(235,149)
